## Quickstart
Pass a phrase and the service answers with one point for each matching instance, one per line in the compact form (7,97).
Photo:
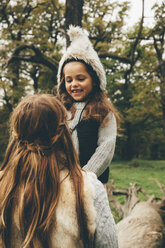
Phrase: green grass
(143,172)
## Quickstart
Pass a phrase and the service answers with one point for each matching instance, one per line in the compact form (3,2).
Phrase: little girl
(46,199)
(92,116)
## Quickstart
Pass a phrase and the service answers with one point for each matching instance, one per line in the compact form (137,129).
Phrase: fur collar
(65,233)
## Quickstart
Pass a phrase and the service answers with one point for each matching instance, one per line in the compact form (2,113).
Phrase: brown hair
(34,157)
(98,103)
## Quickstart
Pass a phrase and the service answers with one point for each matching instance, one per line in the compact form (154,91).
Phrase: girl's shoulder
(109,119)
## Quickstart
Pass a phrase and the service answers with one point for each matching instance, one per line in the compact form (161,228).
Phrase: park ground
(143,172)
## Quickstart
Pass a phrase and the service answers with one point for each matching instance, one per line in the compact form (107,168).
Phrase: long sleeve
(104,152)
(106,231)
(103,155)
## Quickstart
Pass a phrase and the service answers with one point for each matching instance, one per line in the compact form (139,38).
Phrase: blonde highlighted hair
(40,146)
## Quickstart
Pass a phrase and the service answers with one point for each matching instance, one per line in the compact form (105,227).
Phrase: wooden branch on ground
(143,223)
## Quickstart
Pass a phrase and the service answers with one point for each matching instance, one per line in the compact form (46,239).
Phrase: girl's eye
(81,79)
(68,80)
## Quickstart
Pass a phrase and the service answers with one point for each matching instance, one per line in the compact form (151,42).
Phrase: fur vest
(65,234)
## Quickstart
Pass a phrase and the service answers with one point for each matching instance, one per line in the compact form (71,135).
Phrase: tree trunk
(73,14)
(162,92)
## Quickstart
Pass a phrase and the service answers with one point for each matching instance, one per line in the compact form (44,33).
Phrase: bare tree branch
(122,59)
(38,57)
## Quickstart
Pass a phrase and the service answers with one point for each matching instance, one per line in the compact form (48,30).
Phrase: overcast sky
(136,11)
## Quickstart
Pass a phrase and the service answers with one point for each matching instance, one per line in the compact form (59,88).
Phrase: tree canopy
(33,38)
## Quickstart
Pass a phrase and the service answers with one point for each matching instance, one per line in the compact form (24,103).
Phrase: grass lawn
(143,172)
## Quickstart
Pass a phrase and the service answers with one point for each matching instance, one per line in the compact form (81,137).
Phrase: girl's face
(78,82)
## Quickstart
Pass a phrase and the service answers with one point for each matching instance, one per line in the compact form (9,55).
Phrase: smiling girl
(92,116)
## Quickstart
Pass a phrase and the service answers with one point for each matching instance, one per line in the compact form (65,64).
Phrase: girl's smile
(78,82)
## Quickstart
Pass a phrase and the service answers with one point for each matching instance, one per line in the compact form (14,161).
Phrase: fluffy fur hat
(81,49)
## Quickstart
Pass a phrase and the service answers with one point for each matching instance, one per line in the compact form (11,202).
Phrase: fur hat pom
(82,49)
(75,32)
(77,35)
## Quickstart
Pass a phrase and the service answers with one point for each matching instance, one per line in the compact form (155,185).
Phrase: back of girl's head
(40,146)
(38,126)
(37,119)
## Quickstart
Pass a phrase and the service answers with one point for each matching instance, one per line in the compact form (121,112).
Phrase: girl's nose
(74,83)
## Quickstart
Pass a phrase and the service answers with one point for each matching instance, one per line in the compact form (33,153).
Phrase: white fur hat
(81,49)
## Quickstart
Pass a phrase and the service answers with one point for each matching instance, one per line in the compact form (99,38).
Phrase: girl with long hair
(46,199)
(92,117)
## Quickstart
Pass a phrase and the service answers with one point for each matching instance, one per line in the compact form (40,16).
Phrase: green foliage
(4,130)
(104,21)
(136,95)
(26,23)
(47,81)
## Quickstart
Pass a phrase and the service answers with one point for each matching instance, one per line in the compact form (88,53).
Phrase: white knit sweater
(103,155)
(106,233)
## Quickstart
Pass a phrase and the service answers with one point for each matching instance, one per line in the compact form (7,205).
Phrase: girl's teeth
(76,90)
